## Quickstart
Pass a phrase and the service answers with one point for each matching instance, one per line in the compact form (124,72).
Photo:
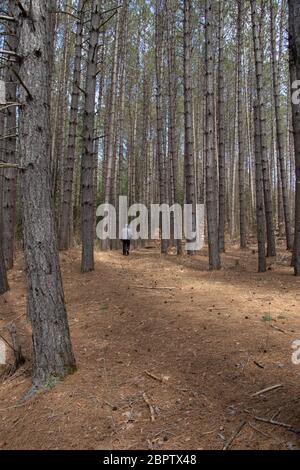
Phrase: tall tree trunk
(221,132)
(294,47)
(3,275)
(10,175)
(263,134)
(279,129)
(66,203)
(241,127)
(88,167)
(159,111)
(260,207)
(189,158)
(52,349)
(172,89)
(211,183)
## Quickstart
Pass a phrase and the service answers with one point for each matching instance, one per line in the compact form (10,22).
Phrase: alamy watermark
(155,223)
(2,353)
(296,92)
(296,353)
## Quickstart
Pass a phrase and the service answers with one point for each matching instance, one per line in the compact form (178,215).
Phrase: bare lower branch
(6,18)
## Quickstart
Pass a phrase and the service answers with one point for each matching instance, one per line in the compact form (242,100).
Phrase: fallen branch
(152,412)
(155,288)
(273,422)
(234,436)
(266,390)
(154,376)
(278,329)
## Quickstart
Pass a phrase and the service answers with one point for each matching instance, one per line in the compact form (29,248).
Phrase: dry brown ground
(212,342)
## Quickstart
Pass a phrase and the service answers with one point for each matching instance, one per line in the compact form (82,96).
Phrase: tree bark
(66,203)
(189,158)
(52,349)
(241,127)
(260,207)
(279,130)
(173,99)
(263,132)
(221,132)
(211,183)
(88,167)
(294,56)
(10,175)
(159,31)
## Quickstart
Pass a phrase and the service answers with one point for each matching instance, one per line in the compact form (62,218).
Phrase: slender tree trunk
(159,111)
(211,183)
(3,275)
(112,119)
(294,47)
(66,203)
(189,158)
(260,207)
(88,167)
(241,127)
(279,129)
(221,132)
(263,133)
(172,89)
(10,175)
(52,349)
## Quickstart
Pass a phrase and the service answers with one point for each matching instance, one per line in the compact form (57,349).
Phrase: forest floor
(147,330)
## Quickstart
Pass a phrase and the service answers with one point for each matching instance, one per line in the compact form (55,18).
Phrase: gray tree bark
(241,127)
(10,175)
(294,48)
(262,118)
(189,158)
(66,203)
(159,32)
(260,206)
(279,130)
(88,166)
(221,132)
(52,349)
(211,183)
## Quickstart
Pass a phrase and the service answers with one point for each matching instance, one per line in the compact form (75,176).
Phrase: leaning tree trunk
(263,133)
(52,349)
(294,46)
(211,183)
(242,193)
(66,203)
(88,162)
(189,160)
(221,132)
(10,175)
(279,130)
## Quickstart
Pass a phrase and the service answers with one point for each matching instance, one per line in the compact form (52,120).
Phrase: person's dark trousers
(126,247)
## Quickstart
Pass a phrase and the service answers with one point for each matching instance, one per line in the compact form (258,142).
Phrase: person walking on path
(126,240)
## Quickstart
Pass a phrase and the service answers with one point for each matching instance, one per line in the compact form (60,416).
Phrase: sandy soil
(163,332)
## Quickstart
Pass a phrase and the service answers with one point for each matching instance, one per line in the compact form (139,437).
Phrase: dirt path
(195,352)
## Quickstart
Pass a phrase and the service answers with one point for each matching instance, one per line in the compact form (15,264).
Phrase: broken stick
(235,434)
(266,390)
(152,412)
